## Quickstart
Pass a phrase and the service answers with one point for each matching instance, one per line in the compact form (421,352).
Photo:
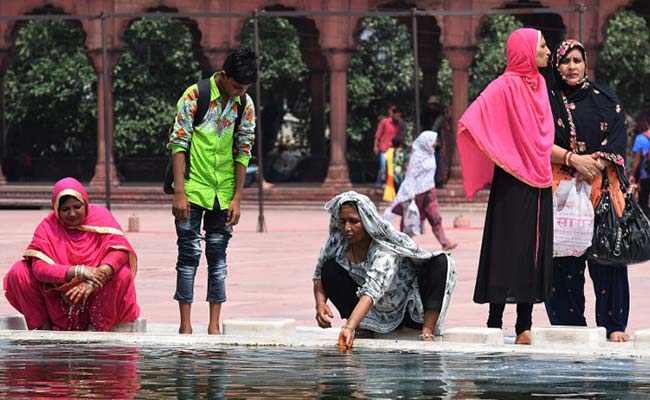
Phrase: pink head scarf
(89,243)
(511,123)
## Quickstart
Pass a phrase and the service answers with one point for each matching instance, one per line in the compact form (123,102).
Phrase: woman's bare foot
(214,331)
(185,330)
(426,336)
(450,246)
(523,338)
(619,337)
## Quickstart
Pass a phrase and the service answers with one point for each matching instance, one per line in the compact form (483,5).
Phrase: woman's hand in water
(346,338)
(81,292)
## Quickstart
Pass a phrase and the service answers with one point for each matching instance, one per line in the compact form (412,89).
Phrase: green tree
(625,60)
(490,59)
(157,65)
(380,72)
(50,92)
(282,76)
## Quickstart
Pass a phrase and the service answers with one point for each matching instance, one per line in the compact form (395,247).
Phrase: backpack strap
(204,101)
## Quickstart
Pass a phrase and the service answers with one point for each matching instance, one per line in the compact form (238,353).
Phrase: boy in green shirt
(219,157)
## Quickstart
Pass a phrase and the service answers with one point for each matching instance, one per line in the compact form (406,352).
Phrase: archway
(50,124)
(551,25)
(292,113)
(149,77)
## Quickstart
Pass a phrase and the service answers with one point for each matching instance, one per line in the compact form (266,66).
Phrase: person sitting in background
(378,278)
(77,273)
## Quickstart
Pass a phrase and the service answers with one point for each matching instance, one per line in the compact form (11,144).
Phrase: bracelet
(79,271)
(346,326)
(91,283)
(568,161)
(567,157)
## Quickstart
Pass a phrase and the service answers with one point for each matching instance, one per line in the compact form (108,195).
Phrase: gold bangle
(346,326)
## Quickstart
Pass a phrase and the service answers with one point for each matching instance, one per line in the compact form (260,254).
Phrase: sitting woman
(77,273)
(377,277)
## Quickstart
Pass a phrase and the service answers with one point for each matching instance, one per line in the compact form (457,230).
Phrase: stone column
(99,179)
(593,52)
(337,172)
(460,59)
(4,63)
(317,113)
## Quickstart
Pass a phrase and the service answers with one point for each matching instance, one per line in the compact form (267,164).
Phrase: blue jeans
(382,168)
(217,235)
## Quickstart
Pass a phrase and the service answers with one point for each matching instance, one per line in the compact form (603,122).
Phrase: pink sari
(97,239)
(511,123)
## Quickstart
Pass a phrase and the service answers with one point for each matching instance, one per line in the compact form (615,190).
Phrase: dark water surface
(115,371)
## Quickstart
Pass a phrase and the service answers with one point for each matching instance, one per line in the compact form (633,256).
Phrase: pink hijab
(89,243)
(511,123)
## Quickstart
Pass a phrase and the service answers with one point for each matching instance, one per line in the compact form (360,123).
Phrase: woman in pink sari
(505,138)
(78,271)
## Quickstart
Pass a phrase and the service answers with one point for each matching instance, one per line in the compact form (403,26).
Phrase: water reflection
(97,370)
(69,370)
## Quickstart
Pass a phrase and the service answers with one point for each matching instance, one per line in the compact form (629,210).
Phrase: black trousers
(524,316)
(341,289)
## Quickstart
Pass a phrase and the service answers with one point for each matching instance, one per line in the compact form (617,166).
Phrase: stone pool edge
(305,338)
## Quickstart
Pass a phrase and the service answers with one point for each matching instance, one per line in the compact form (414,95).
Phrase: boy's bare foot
(524,338)
(185,330)
(619,337)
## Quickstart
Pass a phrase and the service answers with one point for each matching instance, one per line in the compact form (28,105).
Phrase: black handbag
(624,240)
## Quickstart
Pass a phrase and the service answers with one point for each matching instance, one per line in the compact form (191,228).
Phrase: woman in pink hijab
(505,139)
(78,271)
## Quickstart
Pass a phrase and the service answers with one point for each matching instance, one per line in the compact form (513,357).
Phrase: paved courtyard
(269,274)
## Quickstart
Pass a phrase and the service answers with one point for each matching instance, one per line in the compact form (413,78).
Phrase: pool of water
(31,369)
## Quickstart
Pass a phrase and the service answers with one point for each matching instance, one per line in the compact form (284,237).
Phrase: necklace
(358,258)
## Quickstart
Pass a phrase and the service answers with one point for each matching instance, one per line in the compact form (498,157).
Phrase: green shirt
(215,148)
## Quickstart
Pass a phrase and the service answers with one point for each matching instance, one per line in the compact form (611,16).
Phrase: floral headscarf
(561,53)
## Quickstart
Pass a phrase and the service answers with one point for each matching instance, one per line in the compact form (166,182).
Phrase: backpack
(201,109)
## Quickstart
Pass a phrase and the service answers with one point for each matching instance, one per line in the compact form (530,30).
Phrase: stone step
(276,327)
(137,326)
(489,336)
(568,337)
(27,195)
(14,322)
(642,339)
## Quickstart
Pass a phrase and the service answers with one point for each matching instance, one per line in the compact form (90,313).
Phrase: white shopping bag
(412,222)
(573,219)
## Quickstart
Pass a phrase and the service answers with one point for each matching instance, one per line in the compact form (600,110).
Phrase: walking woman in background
(590,135)
(420,185)
(505,138)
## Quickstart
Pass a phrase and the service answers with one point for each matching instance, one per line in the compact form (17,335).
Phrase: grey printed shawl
(391,247)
